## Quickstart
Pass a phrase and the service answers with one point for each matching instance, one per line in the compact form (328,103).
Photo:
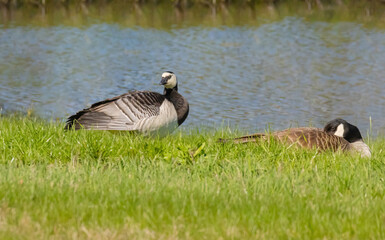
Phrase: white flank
(164,123)
(340,131)
(362,148)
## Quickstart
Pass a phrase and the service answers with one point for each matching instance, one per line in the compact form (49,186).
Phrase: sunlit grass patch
(98,185)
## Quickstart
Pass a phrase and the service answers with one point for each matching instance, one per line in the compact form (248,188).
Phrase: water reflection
(283,71)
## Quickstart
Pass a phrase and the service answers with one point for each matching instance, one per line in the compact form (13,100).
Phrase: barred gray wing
(123,112)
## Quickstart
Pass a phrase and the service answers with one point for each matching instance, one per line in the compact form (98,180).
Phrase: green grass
(98,185)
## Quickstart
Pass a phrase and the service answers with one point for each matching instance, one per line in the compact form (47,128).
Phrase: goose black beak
(163,81)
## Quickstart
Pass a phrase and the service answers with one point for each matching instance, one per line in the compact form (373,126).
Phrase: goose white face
(168,80)
(340,130)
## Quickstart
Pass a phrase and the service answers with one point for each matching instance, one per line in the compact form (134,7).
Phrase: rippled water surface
(284,69)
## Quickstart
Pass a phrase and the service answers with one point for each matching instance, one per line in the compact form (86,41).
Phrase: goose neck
(169,91)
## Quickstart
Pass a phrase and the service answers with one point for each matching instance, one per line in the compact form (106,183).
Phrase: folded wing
(133,111)
(312,138)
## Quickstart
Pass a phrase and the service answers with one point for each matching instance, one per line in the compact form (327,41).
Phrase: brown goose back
(303,137)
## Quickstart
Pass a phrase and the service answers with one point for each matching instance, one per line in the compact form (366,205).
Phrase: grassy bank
(170,14)
(97,185)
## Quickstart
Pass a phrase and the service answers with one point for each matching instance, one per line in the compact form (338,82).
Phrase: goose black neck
(168,91)
(180,104)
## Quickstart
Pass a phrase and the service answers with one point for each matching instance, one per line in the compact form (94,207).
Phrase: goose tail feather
(244,139)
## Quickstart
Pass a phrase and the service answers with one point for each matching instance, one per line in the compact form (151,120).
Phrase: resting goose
(140,111)
(337,134)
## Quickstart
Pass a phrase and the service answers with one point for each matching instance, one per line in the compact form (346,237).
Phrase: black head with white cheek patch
(169,80)
(342,128)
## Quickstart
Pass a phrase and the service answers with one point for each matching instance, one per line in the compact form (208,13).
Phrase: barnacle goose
(139,111)
(337,134)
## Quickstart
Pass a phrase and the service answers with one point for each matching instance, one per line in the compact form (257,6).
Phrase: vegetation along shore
(181,13)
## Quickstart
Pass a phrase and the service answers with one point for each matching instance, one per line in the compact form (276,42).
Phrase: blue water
(285,73)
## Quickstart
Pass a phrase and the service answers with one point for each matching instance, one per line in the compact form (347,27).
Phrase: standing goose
(337,134)
(140,111)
